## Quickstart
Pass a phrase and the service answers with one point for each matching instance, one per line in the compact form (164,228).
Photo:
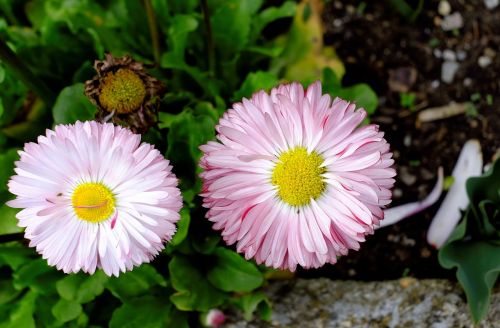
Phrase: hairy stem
(153,30)
(23,73)
(210,41)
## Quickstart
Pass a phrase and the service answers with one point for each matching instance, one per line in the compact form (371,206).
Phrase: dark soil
(394,55)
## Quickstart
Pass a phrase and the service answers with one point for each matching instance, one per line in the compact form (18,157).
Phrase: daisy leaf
(478,233)
(194,291)
(232,273)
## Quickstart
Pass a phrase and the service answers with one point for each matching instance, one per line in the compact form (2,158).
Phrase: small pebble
(437,20)
(490,4)
(393,238)
(337,22)
(426,174)
(444,8)
(408,242)
(437,53)
(406,177)
(448,71)
(350,9)
(449,55)
(407,282)
(435,84)
(397,193)
(452,22)
(407,140)
(449,308)
(425,252)
(490,52)
(484,61)
(461,55)
(467,82)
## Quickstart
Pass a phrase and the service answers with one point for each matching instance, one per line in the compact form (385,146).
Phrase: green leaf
(177,319)
(65,310)
(142,312)
(15,255)
(255,81)
(194,292)
(271,14)
(256,301)
(22,313)
(188,132)
(478,233)
(231,21)
(232,273)
(136,282)
(72,105)
(182,228)
(484,187)
(272,51)
(182,26)
(37,275)
(8,221)
(362,94)
(7,291)
(7,159)
(304,55)
(207,243)
(81,287)
(2,75)
(43,310)
(330,81)
(476,274)
(32,126)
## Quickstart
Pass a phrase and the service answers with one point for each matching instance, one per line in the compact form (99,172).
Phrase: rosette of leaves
(474,246)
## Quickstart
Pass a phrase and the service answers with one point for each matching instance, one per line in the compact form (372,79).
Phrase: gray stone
(402,303)
(491,4)
(444,8)
(448,71)
(449,55)
(484,61)
(452,22)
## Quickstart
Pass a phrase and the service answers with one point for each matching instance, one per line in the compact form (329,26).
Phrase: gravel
(401,303)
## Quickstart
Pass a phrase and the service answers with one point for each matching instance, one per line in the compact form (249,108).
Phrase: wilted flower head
(94,197)
(124,91)
(293,179)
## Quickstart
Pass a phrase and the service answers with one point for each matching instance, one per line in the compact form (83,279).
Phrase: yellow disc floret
(298,176)
(122,91)
(93,202)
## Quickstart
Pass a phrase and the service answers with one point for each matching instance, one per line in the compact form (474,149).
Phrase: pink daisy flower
(94,197)
(294,179)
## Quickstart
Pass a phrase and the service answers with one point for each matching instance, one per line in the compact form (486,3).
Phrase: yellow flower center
(122,91)
(298,176)
(93,202)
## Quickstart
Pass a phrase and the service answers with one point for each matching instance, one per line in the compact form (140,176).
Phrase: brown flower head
(125,92)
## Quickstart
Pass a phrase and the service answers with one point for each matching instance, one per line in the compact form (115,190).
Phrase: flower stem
(23,73)
(210,41)
(153,30)
(11,237)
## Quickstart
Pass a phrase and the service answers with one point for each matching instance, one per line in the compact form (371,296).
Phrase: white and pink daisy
(294,179)
(94,196)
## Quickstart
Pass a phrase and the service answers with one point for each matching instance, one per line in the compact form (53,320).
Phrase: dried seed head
(123,91)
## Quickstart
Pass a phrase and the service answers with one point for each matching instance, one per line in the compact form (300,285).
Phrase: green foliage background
(255,45)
